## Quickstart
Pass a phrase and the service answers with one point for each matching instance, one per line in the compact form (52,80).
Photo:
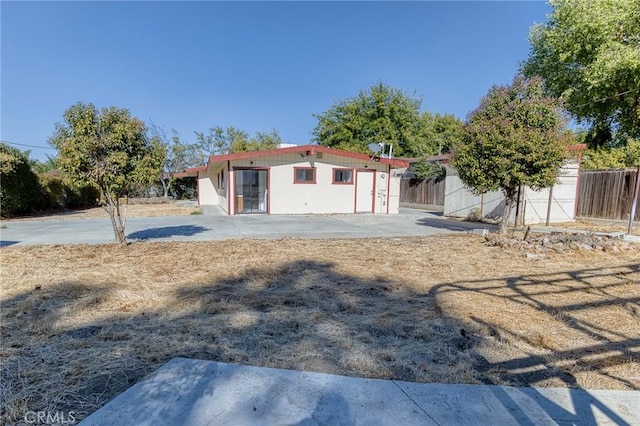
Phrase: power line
(608,97)
(24,144)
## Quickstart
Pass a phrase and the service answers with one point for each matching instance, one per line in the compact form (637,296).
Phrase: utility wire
(24,144)
(608,97)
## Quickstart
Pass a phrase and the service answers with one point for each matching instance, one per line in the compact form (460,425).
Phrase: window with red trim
(342,176)
(304,175)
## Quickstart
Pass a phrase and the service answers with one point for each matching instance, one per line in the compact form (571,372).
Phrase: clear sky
(252,65)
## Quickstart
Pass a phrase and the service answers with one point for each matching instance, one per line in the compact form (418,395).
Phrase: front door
(251,191)
(364,191)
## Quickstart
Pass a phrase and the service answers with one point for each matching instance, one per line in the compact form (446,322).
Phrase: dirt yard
(80,324)
(137,208)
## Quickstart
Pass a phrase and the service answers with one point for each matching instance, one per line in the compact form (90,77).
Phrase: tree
(447,131)
(20,189)
(588,54)
(380,114)
(424,169)
(50,164)
(515,137)
(110,149)
(229,140)
(617,157)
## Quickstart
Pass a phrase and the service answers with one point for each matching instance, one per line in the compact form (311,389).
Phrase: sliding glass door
(251,191)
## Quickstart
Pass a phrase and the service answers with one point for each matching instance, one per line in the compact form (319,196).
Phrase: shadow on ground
(167,232)
(303,315)
(454,225)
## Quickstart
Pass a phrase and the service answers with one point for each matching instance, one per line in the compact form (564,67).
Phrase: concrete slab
(218,227)
(193,392)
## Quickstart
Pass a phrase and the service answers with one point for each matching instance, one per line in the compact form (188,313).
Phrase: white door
(364,191)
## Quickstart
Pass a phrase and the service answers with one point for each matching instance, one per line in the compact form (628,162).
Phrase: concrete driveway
(218,227)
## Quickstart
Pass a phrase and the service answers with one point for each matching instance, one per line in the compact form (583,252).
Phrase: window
(342,176)
(304,175)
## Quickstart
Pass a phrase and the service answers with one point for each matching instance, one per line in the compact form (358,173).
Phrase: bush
(20,189)
(184,188)
(613,158)
(59,195)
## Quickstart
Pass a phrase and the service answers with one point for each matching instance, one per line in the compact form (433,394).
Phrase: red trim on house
(578,147)
(198,186)
(373,193)
(355,191)
(388,186)
(228,188)
(333,176)
(304,182)
(268,169)
(195,169)
(181,175)
(307,150)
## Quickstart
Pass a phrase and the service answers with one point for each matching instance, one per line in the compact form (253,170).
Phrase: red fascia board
(196,169)
(181,175)
(578,147)
(307,150)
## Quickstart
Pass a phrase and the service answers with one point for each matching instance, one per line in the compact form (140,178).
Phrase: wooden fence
(607,194)
(421,191)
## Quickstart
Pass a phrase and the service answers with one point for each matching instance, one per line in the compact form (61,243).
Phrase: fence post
(634,202)
(549,205)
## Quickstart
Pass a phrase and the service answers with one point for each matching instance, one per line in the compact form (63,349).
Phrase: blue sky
(252,65)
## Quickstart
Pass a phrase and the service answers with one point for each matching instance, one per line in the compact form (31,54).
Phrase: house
(307,179)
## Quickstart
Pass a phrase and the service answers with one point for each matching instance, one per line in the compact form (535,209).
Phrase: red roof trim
(196,169)
(578,147)
(307,149)
(181,175)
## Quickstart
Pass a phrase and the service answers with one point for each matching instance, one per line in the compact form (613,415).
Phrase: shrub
(184,188)
(20,189)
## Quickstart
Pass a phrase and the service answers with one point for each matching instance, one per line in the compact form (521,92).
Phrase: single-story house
(307,179)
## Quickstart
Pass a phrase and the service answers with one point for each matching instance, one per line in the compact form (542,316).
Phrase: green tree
(110,149)
(229,140)
(20,189)
(588,54)
(515,137)
(447,131)
(380,114)
(424,169)
(50,164)
(613,157)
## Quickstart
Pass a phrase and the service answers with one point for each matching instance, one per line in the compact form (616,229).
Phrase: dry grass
(600,226)
(138,208)
(446,309)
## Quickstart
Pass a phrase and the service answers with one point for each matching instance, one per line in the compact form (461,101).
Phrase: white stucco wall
(207,192)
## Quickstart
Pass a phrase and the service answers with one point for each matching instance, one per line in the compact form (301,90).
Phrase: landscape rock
(537,244)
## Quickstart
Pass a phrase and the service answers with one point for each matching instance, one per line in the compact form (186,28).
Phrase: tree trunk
(506,212)
(118,221)
(165,187)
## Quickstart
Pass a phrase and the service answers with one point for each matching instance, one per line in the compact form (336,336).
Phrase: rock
(585,246)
